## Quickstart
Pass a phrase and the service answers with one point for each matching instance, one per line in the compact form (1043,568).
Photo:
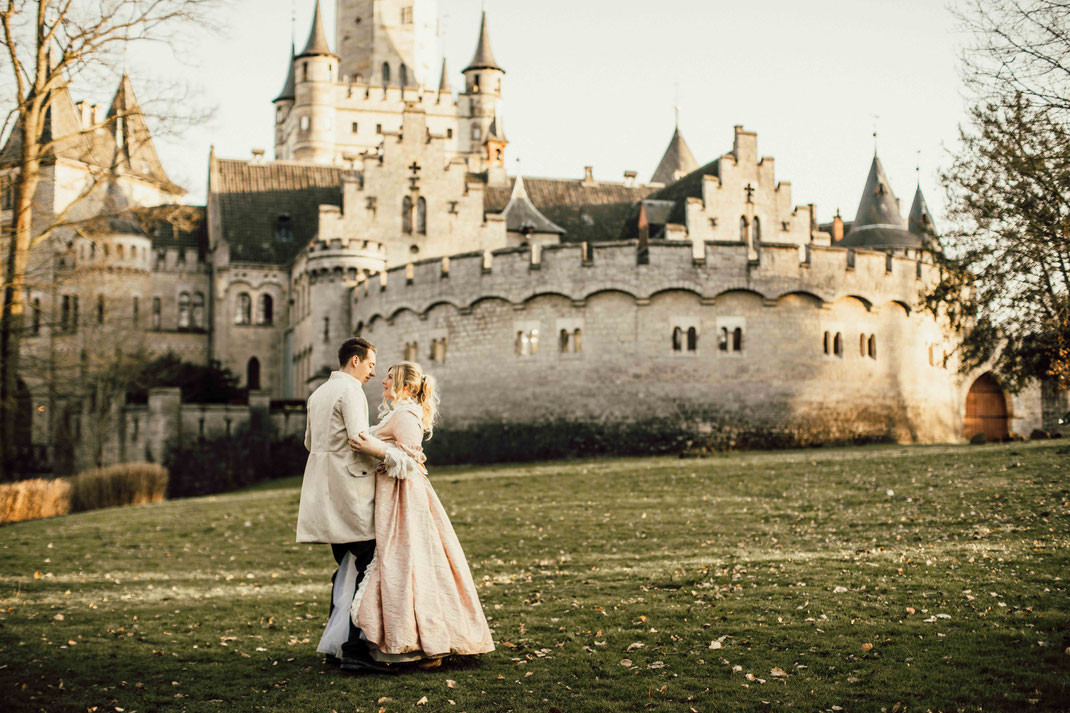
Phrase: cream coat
(338,490)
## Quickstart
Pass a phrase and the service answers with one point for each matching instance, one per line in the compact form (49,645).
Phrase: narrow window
(74,313)
(403,75)
(533,341)
(137,311)
(406,215)
(825,342)
(353,127)
(121,253)
(562,341)
(577,340)
(692,339)
(304,123)
(756,231)
(722,339)
(837,345)
(932,360)
(184,311)
(156,312)
(386,73)
(100,309)
(475,84)
(421,216)
(198,310)
(737,339)
(743,229)
(862,345)
(519,345)
(676,338)
(871,346)
(326,329)
(244,312)
(36,316)
(252,373)
(378,128)
(449,133)
(265,309)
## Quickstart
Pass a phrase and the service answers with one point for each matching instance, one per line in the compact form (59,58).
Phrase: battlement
(362,95)
(708,269)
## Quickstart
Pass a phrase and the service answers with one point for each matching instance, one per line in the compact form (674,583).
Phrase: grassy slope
(797,558)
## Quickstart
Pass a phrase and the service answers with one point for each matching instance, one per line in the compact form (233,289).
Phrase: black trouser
(362,553)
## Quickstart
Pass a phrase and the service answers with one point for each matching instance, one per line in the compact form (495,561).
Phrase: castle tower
(316,71)
(387,42)
(483,86)
(920,220)
(677,161)
(878,224)
(284,103)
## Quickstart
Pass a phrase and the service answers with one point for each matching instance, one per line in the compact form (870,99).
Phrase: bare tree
(48,43)
(1005,285)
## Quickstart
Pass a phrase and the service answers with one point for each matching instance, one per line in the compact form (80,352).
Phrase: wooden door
(986,409)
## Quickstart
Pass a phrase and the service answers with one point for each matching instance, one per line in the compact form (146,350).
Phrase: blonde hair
(410,381)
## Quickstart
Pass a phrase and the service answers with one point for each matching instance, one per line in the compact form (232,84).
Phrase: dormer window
(284,230)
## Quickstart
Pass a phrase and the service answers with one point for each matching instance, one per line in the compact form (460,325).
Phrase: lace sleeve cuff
(401,465)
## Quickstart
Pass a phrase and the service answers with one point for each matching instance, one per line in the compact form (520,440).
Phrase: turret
(920,220)
(284,103)
(316,70)
(677,161)
(878,224)
(483,86)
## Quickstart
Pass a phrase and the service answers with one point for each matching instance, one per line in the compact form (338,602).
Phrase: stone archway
(986,409)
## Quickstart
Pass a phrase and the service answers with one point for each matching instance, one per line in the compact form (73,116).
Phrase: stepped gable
(586,211)
(677,158)
(253,195)
(690,186)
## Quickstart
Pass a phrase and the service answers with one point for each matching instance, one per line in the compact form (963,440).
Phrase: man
(338,493)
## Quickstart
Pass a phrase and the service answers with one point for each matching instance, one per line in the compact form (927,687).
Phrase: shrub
(31,499)
(218,465)
(125,484)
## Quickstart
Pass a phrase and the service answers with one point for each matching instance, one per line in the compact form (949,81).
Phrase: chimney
(588,176)
(630,178)
(837,227)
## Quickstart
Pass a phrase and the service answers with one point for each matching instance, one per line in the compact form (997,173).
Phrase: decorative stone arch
(610,289)
(817,299)
(987,409)
(666,290)
(867,303)
(488,298)
(440,303)
(901,305)
(737,290)
(399,310)
(548,293)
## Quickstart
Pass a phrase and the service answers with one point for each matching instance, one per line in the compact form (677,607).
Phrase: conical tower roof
(677,160)
(289,91)
(484,57)
(496,131)
(135,149)
(521,215)
(444,80)
(317,38)
(920,220)
(878,205)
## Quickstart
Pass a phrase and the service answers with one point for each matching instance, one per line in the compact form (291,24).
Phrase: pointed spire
(289,91)
(496,132)
(678,161)
(317,38)
(444,81)
(920,220)
(521,215)
(878,205)
(483,58)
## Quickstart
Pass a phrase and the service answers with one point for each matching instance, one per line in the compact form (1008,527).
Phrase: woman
(417,601)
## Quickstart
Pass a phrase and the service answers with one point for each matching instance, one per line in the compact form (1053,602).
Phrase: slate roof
(175,226)
(521,215)
(444,80)
(137,156)
(317,39)
(690,186)
(920,220)
(877,222)
(253,195)
(677,157)
(587,212)
(483,58)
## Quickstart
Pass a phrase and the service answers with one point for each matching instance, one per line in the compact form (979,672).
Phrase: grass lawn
(862,579)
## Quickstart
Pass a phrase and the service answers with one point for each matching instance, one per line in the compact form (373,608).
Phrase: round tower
(483,87)
(313,115)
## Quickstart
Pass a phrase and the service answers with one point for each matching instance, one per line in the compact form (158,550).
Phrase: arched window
(421,216)
(562,341)
(183,311)
(722,339)
(519,344)
(406,215)
(403,75)
(120,252)
(475,84)
(252,373)
(198,310)
(386,73)
(871,346)
(737,339)
(284,229)
(825,342)
(692,339)
(837,345)
(756,231)
(677,335)
(410,351)
(577,340)
(743,229)
(265,310)
(244,311)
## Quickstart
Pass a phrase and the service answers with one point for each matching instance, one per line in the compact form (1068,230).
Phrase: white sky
(593,82)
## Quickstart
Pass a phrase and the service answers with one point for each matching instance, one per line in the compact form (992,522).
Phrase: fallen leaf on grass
(867,647)
(626,663)
(778,672)
(422,701)
(450,683)
(634,646)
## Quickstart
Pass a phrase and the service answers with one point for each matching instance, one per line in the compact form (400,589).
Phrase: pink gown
(417,599)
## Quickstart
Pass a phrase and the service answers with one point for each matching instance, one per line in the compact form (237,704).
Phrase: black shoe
(365,664)
(332,660)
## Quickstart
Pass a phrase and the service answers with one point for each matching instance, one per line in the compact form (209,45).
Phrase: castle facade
(705,301)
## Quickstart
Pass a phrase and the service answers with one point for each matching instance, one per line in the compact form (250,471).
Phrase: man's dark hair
(354,346)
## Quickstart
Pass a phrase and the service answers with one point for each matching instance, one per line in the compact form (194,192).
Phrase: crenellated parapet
(577,271)
(343,259)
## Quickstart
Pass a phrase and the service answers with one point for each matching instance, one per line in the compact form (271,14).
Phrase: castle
(704,301)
